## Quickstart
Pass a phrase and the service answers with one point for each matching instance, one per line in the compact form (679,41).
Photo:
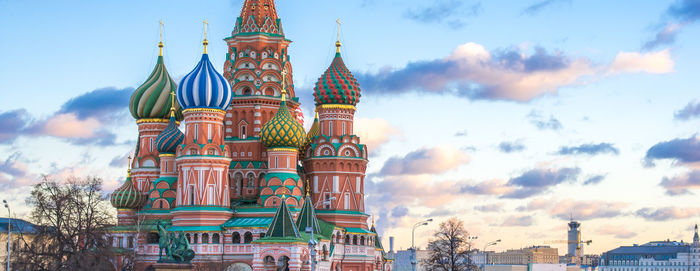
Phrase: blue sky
(509,115)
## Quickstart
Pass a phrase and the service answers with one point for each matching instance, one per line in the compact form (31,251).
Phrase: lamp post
(9,233)
(312,248)
(414,260)
(487,245)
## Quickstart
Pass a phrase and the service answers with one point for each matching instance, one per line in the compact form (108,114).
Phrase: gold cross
(205,28)
(161,30)
(172,103)
(284,77)
(338,22)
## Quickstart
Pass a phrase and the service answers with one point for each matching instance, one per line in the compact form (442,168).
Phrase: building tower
(574,249)
(150,105)
(335,161)
(203,159)
(162,195)
(283,136)
(257,55)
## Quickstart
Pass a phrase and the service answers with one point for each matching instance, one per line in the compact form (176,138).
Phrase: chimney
(391,244)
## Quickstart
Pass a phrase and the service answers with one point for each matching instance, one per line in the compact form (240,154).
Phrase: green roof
(282,224)
(248,222)
(194,228)
(307,217)
(357,230)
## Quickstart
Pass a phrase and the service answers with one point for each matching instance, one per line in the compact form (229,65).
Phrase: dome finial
(205,42)
(172,104)
(128,167)
(309,188)
(337,42)
(160,44)
(284,90)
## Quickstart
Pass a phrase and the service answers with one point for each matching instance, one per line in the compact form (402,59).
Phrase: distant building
(526,267)
(18,228)
(654,256)
(534,254)
(402,260)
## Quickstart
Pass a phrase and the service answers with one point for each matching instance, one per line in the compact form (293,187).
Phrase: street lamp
(487,245)
(312,248)
(9,233)
(413,246)
(329,200)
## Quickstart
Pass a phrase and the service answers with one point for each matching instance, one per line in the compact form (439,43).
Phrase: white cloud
(652,62)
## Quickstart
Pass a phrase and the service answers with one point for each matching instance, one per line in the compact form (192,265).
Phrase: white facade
(654,256)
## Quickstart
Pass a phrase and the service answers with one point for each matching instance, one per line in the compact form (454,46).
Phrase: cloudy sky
(512,116)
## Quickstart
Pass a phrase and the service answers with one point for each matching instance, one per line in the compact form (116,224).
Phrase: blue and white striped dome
(204,87)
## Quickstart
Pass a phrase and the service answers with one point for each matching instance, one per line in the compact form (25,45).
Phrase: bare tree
(450,248)
(72,218)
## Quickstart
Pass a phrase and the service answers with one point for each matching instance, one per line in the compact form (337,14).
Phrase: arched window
(354,240)
(269,264)
(215,238)
(347,239)
(248,237)
(283,263)
(205,238)
(247,91)
(238,178)
(189,238)
(195,238)
(243,131)
(251,179)
(262,235)
(325,253)
(152,238)
(236,238)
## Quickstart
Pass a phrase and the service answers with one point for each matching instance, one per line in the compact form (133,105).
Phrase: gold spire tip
(284,90)
(160,43)
(128,167)
(337,43)
(205,42)
(172,104)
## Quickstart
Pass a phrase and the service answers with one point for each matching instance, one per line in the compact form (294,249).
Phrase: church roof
(258,16)
(283,130)
(170,137)
(282,224)
(307,217)
(337,85)
(152,98)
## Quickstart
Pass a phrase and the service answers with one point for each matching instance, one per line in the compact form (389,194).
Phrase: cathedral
(224,159)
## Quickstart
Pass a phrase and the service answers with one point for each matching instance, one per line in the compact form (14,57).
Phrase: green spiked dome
(152,99)
(283,130)
(126,196)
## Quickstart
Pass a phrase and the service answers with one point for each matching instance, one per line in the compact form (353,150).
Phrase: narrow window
(288,165)
(336,184)
(346,204)
(357,185)
(209,132)
(191,194)
(276,162)
(196,128)
(343,127)
(315,184)
(211,195)
(330,128)
(243,134)
(151,144)
(326,200)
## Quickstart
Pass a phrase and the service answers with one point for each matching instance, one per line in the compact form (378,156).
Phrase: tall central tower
(257,55)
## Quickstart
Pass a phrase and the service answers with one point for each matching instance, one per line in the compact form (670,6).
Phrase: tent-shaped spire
(307,217)
(283,223)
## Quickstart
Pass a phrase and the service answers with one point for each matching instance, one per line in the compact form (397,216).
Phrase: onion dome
(283,130)
(168,139)
(314,131)
(126,196)
(204,87)
(337,85)
(152,98)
